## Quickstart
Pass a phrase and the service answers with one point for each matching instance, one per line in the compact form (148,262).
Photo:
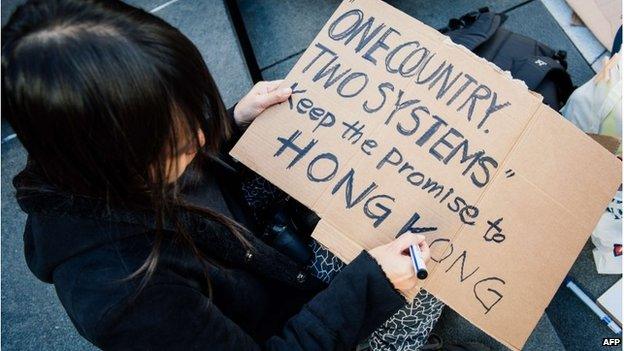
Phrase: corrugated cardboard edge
(593,17)
(497,69)
(608,142)
(328,235)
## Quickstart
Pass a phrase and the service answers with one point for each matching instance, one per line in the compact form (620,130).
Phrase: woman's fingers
(261,96)
(270,93)
(425,252)
(407,239)
(395,263)
(266,86)
(273,97)
(404,241)
(273,84)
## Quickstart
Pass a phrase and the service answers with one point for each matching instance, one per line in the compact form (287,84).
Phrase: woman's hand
(261,96)
(396,262)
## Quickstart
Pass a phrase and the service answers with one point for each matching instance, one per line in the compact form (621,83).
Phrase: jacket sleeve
(178,317)
(227,145)
(237,132)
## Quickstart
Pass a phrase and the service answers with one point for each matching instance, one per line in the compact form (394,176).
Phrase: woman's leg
(407,329)
(324,264)
(261,196)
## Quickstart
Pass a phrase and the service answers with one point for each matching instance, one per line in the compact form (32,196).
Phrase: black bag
(542,68)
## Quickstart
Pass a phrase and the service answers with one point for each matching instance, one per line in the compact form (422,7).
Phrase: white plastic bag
(596,106)
(607,237)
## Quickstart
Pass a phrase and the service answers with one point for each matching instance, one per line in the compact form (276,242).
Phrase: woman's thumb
(407,239)
(274,97)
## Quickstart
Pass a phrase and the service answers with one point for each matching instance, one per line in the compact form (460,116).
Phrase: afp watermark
(611,342)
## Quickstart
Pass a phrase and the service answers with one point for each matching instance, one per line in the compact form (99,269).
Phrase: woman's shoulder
(96,288)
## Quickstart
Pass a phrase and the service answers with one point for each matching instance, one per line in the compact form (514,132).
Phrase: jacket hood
(62,225)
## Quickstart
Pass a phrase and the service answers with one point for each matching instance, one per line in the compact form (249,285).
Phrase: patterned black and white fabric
(407,329)
(260,195)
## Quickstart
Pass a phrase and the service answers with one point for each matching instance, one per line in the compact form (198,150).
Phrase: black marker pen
(419,264)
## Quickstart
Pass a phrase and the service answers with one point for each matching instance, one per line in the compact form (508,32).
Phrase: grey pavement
(32,317)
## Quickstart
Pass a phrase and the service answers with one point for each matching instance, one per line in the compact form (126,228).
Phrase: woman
(135,214)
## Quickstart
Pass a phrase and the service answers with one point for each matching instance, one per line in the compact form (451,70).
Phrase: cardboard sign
(602,17)
(393,129)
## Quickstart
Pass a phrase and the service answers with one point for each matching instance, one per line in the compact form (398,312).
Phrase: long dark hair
(101,94)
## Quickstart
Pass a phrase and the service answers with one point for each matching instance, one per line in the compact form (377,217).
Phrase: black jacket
(258,299)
